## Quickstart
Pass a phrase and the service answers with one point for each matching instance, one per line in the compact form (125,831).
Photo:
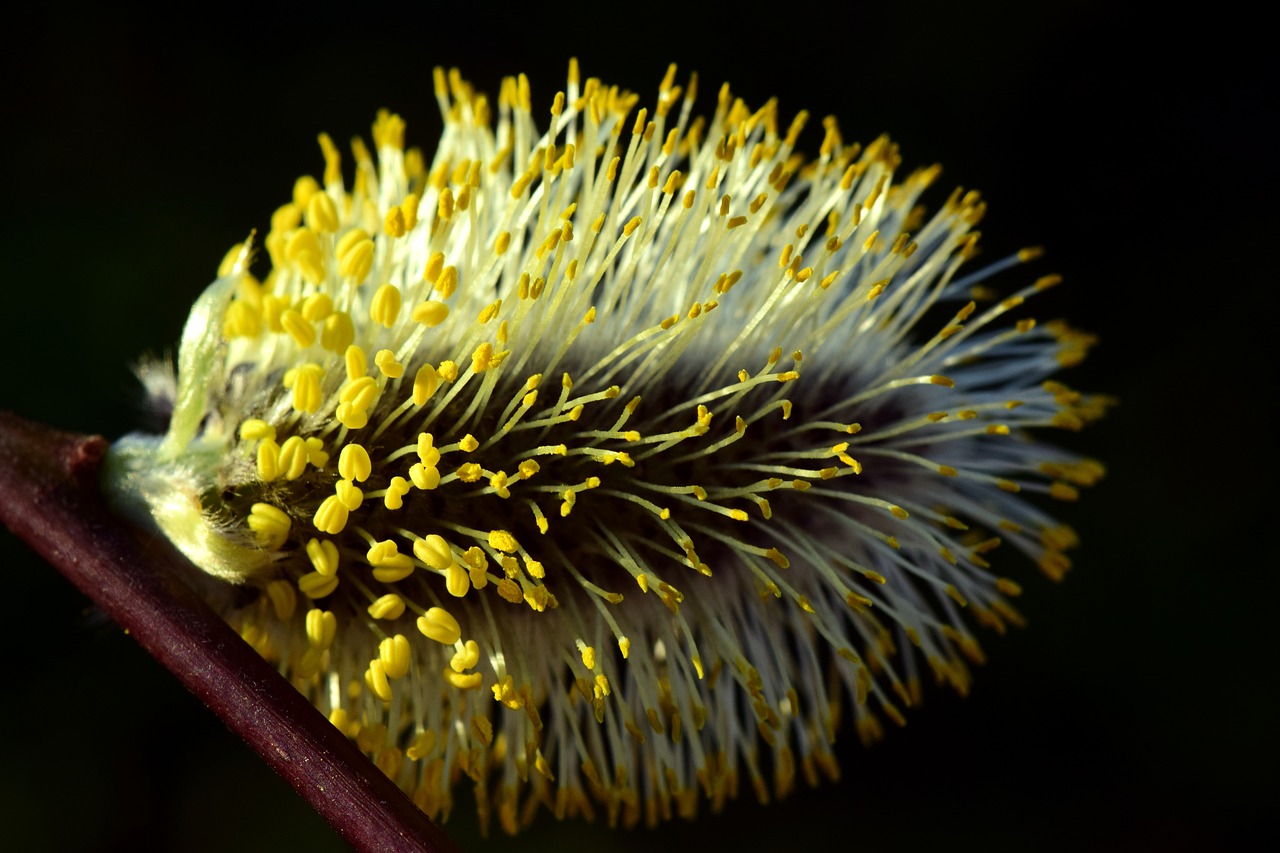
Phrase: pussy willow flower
(611,466)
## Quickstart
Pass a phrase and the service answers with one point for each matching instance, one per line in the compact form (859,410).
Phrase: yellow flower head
(598,464)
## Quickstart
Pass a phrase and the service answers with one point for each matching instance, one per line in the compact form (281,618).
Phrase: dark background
(1138,710)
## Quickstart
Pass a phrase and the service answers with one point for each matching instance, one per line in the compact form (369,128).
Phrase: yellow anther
(241,321)
(302,332)
(314,585)
(448,282)
(389,607)
(426,449)
(354,463)
(322,627)
(396,490)
(322,214)
(444,204)
(468,443)
(324,556)
(456,581)
(1064,491)
(385,554)
(351,417)
(375,678)
(293,457)
(425,383)
(394,224)
(303,189)
(1008,587)
(427,478)
(316,307)
(899,512)
(338,332)
(439,625)
(331,516)
(349,494)
(270,524)
(624,646)
(481,357)
(283,599)
(430,313)
(387,364)
(470,681)
(360,393)
(303,248)
(435,264)
(503,243)
(408,209)
(305,382)
(253,429)
(385,307)
(501,540)
(942,380)
(357,261)
(395,655)
(421,745)
(467,658)
(434,551)
(268,460)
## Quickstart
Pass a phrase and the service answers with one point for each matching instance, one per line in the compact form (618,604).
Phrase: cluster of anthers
(601,465)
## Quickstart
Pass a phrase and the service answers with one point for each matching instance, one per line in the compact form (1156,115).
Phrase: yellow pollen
(501,540)
(448,282)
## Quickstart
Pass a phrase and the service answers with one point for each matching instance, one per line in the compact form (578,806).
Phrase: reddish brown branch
(49,497)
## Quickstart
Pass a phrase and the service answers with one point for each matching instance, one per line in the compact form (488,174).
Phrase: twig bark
(49,497)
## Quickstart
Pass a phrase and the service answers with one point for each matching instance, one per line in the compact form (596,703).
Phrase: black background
(1138,708)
